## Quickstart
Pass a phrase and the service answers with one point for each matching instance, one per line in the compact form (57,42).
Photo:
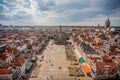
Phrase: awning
(86,68)
(28,65)
(81,60)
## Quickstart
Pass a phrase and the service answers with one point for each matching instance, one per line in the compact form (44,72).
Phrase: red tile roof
(4,56)
(35,43)
(10,40)
(96,40)
(28,39)
(113,53)
(112,65)
(117,59)
(18,61)
(4,70)
(104,57)
(100,65)
(93,58)
(11,49)
(107,58)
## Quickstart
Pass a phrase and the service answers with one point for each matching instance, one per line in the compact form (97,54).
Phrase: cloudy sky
(59,12)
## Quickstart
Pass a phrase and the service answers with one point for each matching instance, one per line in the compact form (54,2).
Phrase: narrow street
(54,65)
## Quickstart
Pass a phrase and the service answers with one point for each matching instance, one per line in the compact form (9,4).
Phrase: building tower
(107,23)
(60,29)
(107,26)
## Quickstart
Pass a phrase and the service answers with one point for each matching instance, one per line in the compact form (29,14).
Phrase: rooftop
(4,70)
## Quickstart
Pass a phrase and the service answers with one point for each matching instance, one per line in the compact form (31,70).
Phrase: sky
(59,12)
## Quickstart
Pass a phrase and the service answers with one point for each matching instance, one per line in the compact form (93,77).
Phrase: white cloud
(33,7)
(15,2)
(3,8)
(81,12)
(18,7)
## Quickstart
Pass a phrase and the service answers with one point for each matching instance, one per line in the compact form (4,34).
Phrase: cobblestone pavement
(54,64)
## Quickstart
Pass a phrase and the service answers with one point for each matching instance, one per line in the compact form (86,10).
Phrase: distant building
(0,26)
(107,26)
(107,23)
(60,37)
(11,27)
(5,27)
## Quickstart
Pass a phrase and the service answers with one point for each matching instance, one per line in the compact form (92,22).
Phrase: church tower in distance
(107,23)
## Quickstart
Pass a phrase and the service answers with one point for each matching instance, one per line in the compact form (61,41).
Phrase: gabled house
(6,59)
(106,70)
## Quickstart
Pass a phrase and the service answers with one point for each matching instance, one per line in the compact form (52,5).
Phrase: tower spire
(108,19)
(107,23)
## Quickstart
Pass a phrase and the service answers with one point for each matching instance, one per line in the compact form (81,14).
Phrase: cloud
(45,5)
(15,2)
(18,11)
(35,12)
(3,9)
